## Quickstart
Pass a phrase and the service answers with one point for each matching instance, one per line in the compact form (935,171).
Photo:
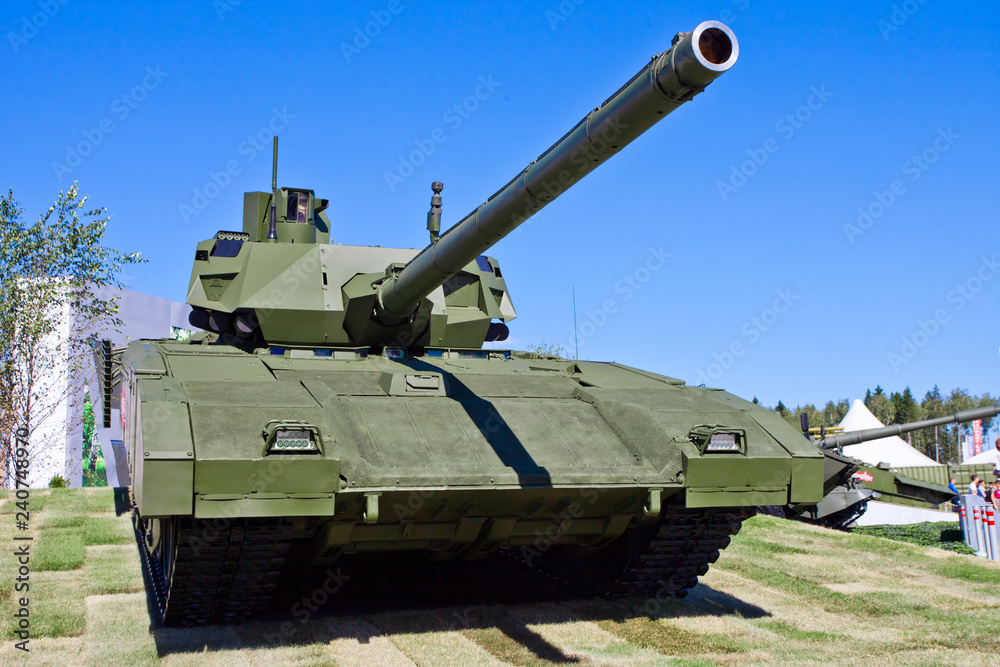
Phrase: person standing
(974,485)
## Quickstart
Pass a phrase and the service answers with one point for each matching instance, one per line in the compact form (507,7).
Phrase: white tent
(893,451)
(989,456)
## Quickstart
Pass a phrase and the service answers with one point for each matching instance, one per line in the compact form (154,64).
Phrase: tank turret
(279,283)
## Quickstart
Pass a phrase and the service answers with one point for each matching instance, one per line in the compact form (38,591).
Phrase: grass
(783,592)
(943,535)
(57,607)
(112,570)
(970,571)
(59,549)
(62,522)
(789,631)
(107,530)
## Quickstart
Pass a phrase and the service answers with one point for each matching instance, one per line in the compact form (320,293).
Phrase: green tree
(834,413)
(50,272)
(546,349)
(94,470)
(879,405)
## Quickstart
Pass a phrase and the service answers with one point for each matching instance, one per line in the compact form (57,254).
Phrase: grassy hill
(783,592)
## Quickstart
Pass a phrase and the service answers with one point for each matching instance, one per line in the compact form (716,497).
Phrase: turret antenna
(274,166)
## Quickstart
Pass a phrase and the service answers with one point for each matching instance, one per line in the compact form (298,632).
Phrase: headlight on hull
(292,437)
(712,438)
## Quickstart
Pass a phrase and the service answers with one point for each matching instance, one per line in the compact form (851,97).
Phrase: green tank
(849,484)
(341,403)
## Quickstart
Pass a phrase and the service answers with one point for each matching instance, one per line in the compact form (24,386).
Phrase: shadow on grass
(123,503)
(486,601)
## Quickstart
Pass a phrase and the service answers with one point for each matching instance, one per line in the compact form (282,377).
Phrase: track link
(845,517)
(222,572)
(686,542)
(667,562)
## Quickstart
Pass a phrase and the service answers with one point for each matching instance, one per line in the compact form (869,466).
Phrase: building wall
(49,437)
(144,316)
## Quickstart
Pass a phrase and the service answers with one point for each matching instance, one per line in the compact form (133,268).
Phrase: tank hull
(454,453)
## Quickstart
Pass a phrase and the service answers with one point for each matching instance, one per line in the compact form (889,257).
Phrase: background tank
(850,484)
(343,407)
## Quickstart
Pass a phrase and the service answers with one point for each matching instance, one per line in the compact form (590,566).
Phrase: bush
(57,482)
(943,535)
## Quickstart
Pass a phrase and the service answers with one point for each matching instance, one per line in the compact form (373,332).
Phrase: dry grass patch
(118,631)
(46,652)
(666,637)
(447,649)
(113,569)
(57,606)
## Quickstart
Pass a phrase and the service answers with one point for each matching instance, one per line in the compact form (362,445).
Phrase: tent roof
(893,451)
(989,456)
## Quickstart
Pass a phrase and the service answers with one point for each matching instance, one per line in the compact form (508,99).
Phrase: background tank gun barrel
(694,60)
(857,437)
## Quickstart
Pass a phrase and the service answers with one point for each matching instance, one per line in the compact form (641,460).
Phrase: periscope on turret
(333,383)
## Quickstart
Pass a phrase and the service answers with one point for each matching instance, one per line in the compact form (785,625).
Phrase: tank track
(677,552)
(845,517)
(686,542)
(220,575)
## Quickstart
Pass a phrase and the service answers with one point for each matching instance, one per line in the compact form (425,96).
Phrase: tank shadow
(123,503)
(498,434)
(484,601)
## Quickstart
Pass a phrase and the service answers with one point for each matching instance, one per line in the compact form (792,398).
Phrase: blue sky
(746,200)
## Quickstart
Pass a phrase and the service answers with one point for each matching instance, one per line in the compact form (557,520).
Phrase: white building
(59,436)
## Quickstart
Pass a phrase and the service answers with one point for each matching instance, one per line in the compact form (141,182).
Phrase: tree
(834,413)
(94,469)
(51,314)
(879,405)
(546,349)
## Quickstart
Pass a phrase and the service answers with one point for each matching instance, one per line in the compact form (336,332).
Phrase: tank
(339,404)
(850,484)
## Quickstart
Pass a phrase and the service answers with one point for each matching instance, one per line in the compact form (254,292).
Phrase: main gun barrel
(857,437)
(672,78)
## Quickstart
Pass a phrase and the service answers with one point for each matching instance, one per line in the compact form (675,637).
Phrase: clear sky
(768,280)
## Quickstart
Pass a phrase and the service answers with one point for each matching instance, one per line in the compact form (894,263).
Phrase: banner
(977,434)
(967,449)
